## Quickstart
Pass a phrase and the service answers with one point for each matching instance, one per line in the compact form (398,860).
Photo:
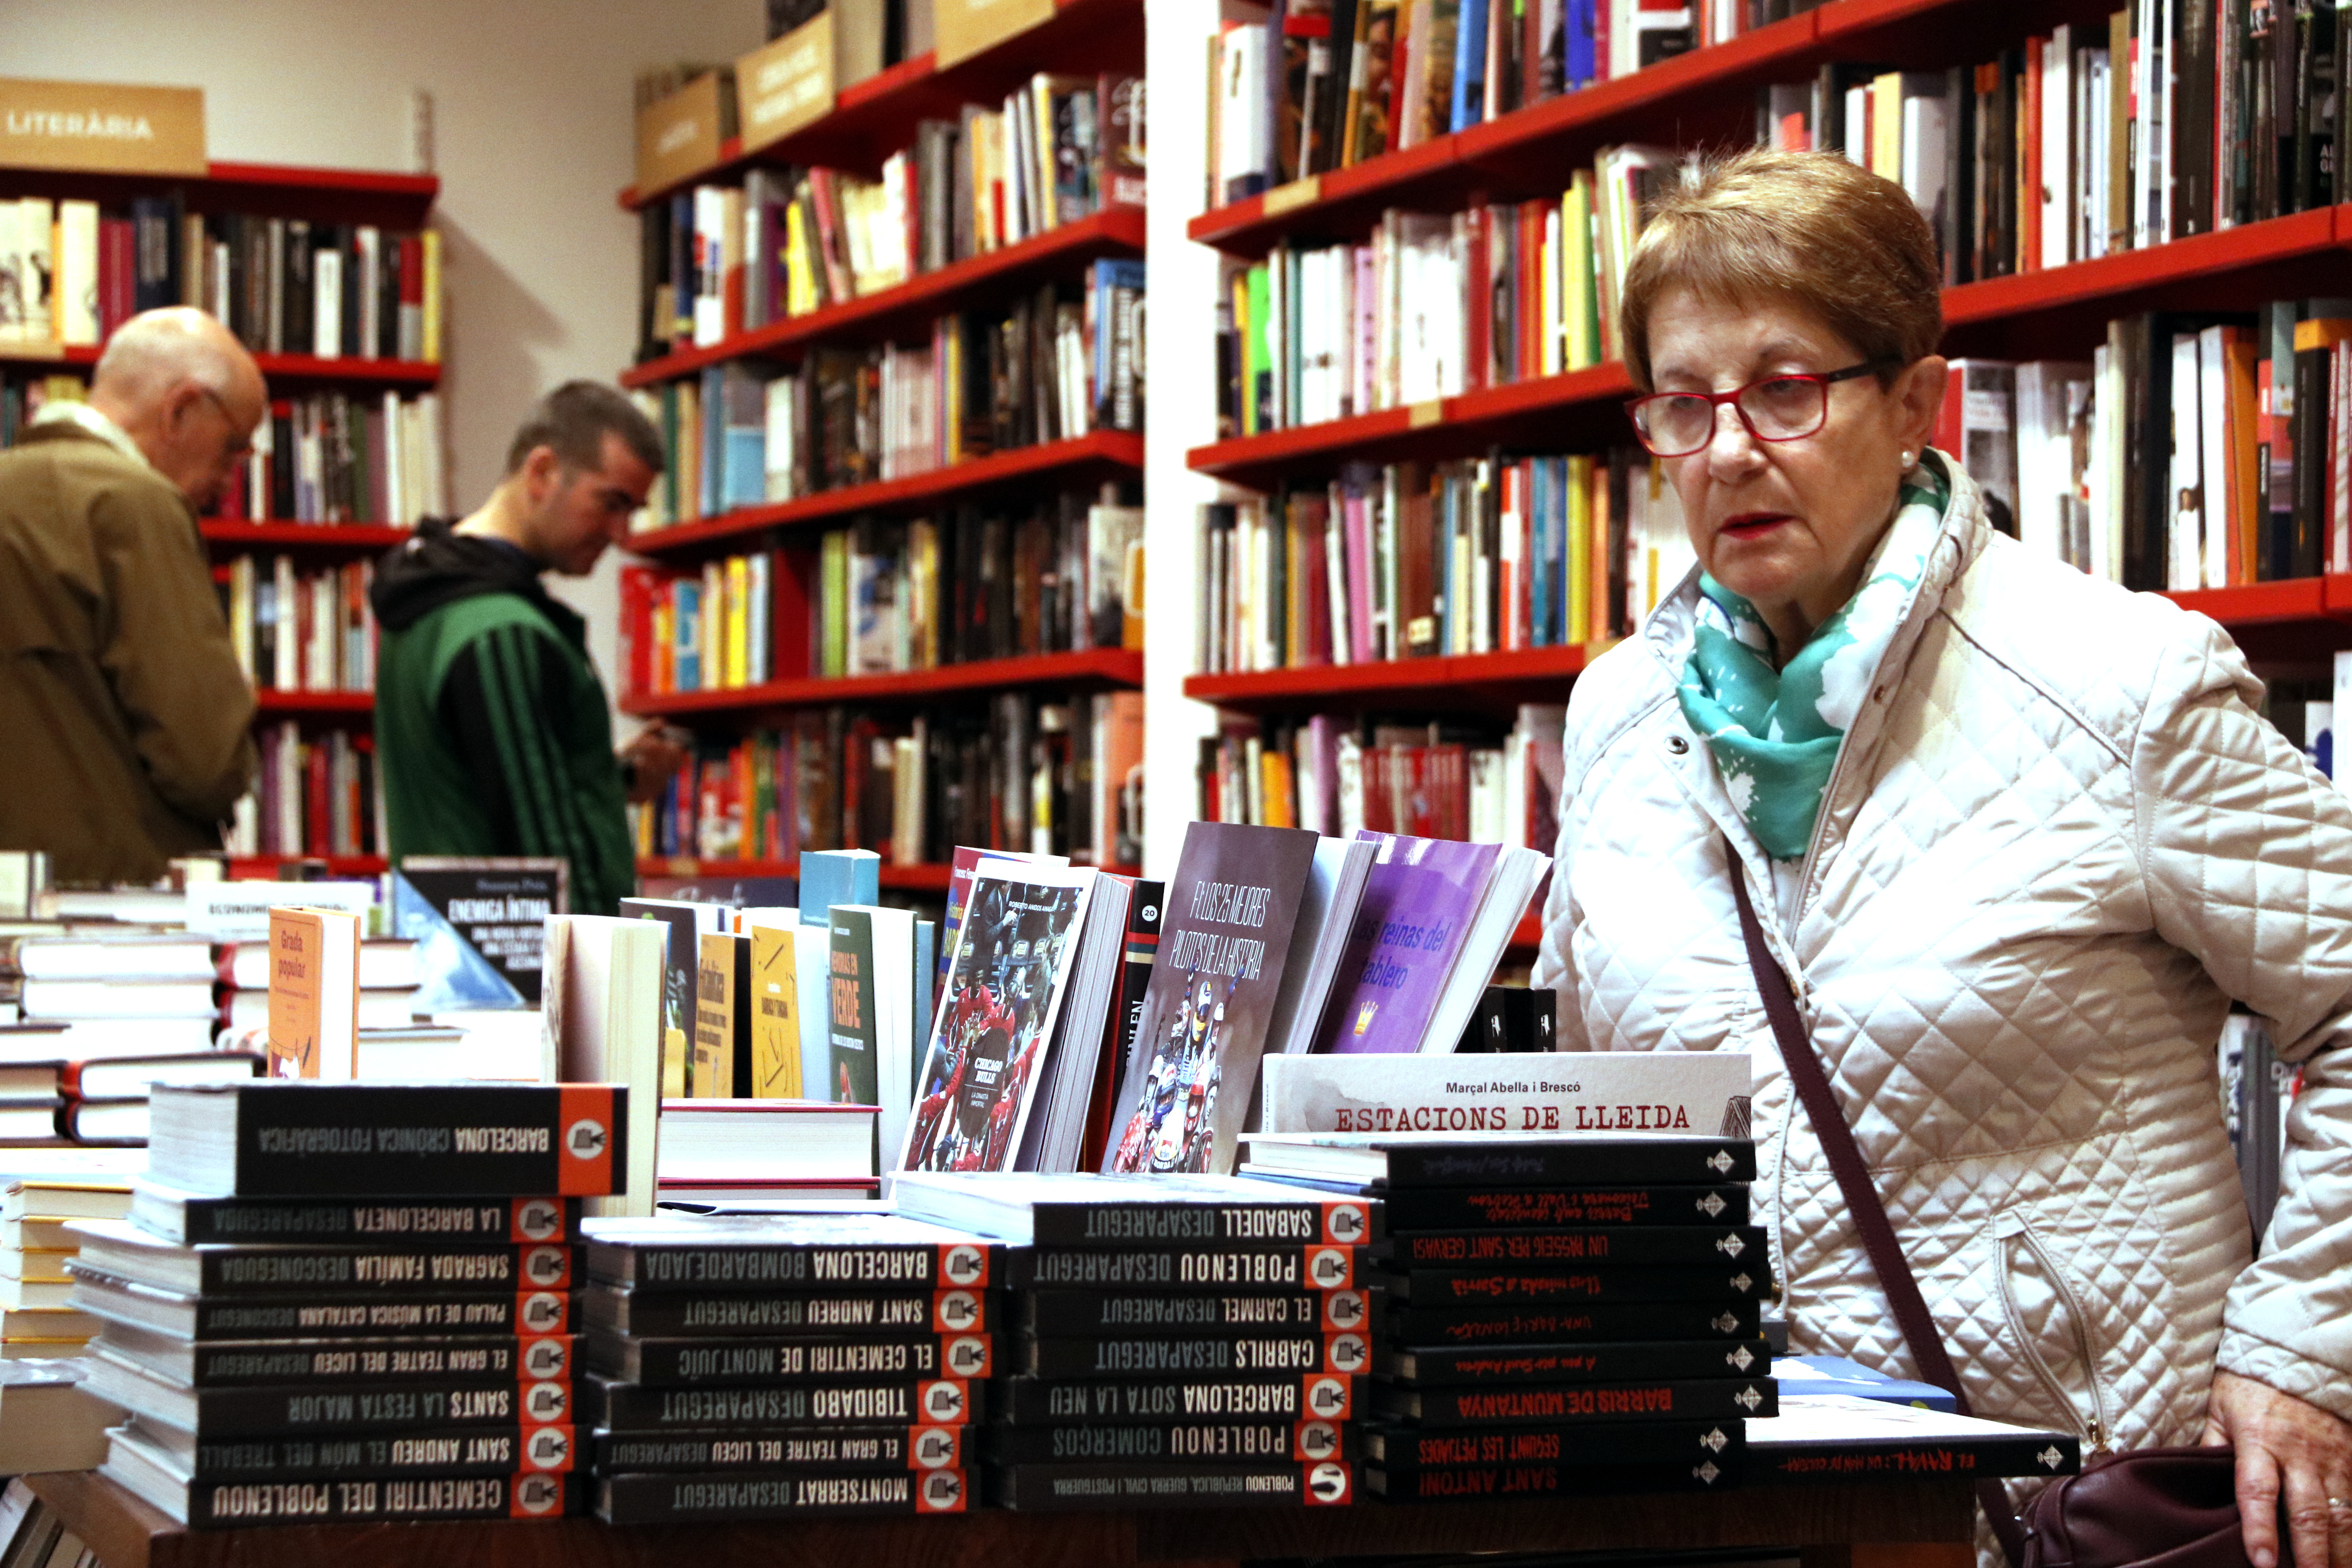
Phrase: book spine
(517,1220)
(532,1313)
(381,1499)
(269,1268)
(1081,1313)
(1182,1442)
(1566,1208)
(694,1363)
(357,1139)
(841,1449)
(1499,1481)
(1042,1488)
(1186,1268)
(1511,1286)
(1402,1448)
(1600,1362)
(344,1408)
(730,1497)
(1683,1244)
(728,1315)
(956,1265)
(462,1451)
(1710,1399)
(1340,1223)
(488,1359)
(1344,1354)
(1573,1325)
(900,1402)
(1555,1164)
(1036,1401)
(2043,1454)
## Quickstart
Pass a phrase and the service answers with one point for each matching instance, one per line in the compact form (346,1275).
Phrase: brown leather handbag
(2149,1507)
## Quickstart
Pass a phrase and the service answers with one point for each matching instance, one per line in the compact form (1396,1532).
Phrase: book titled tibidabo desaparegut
(1231,907)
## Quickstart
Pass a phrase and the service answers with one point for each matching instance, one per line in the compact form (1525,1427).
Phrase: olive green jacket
(124,720)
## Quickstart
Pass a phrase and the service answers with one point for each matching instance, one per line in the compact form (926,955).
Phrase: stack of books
(113,992)
(339,1302)
(44,1193)
(785,1366)
(1178,1342)
(1565,1316)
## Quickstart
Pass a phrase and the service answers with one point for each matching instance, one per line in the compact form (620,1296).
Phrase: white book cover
(369,240)
(601,1019)
(1926,127)
(2185,536)
(2219,496)
(2058,205)
(1562,1092)
(13,326)
(75,279)
(326,303)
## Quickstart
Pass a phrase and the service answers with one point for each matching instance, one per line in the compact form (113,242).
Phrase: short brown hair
(573,420)
(1809,227)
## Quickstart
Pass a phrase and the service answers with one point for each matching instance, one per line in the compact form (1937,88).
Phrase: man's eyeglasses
(1776,408)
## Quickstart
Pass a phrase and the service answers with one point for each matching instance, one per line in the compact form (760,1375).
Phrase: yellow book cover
(432,243)
(775,1017)
(314,993)
(799,289)
(1130,633)
(1580,548)
(676,1051)
(1579,301)
(1886,125)
(922,581)
(712,1074)
(687,456)
(739,621)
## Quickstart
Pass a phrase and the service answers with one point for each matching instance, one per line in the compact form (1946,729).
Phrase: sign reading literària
(101,127)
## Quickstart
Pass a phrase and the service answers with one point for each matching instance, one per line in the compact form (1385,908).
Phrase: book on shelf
(884,596)
(314,794)
(1054,365)
(333,457)
(284,286)
(1063,777)
(721,260)
(301,630)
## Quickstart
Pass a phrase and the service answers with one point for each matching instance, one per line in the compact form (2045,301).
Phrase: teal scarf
(1774,733)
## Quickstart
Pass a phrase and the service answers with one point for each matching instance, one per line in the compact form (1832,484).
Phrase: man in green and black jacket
(493,735)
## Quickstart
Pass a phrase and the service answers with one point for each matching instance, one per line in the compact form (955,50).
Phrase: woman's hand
(2292,1450)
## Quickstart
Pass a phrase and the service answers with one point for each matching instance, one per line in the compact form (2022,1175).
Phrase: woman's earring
(1906,462)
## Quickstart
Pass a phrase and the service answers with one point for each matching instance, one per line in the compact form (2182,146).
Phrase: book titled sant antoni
(268,1138)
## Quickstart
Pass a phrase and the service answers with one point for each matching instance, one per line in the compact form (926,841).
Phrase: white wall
(533,135)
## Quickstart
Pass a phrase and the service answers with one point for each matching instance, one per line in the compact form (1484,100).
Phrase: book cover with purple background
(1418,905)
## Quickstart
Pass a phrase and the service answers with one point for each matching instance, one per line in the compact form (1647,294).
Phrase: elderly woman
(2017,837)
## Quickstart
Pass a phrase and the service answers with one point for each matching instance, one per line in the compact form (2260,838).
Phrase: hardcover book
(1520,1283)
(979,1075)
(1222,943)
(122,1249)
(1207,1267)
(660,1498)
(1595,1362)
(330,1405)
(1455,1482)
(841,1449)
(1838,1439)
(1599,1093)
(684,924)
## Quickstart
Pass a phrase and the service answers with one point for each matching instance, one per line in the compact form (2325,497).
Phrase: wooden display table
(1911,1525)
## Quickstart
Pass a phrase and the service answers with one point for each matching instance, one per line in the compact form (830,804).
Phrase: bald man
(123,716)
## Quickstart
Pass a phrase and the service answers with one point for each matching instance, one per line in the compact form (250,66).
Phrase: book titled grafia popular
(314,993)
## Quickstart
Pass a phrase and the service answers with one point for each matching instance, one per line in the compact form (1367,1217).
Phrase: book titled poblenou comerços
(783,1366)
(352,1301)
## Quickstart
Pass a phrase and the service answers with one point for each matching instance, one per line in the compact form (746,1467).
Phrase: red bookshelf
(1102,451)
(266,867)
(295,704)
(1114,231)
(271,190)
(307,369)
(1477,679)
(1094,667)
(348,538)
(904,878)
(872,119)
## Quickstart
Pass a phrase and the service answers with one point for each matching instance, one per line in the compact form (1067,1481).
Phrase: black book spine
(841,1449)
(730,1496)
(1182,1442)
(456,1451)
(2192,130)
(313,1269)
(1833,1464)
(1299,1354)
(1958,225)
(1707,1400)
(1512,1326)
(2311,430)
(702,1362)
(2259,76)
(532,1313)
(902,1401)
(1629,1161)
(483,1359)
(496,1140)
(2147,381)
(281,1220)
(1343,1222)
(1186,1268)
(1515,1284)
(1081,1313)
(728,1316)
(343,1407)
(906,1266)
(1045,1488)
(1686,1245)
(1036,1401)
(1592,1363)
(1565,1208)
(381,1500)
(1491,1483)
(1400,1448)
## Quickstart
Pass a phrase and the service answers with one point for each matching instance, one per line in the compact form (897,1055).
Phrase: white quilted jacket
(2057,841)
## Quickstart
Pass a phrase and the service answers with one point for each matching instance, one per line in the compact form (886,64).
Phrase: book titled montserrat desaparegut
(264,1138)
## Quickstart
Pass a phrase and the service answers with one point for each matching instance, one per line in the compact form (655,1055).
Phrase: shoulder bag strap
(1864,1205)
